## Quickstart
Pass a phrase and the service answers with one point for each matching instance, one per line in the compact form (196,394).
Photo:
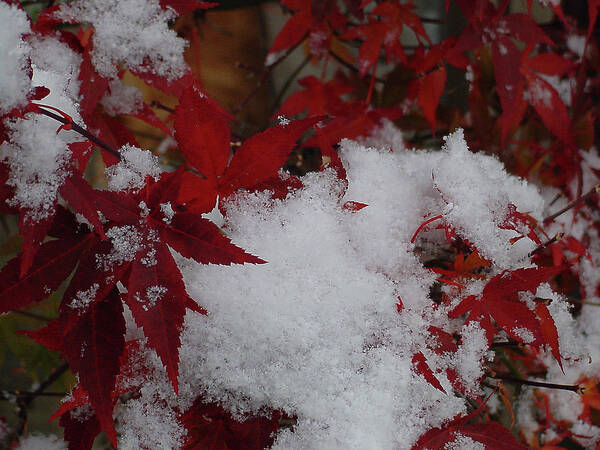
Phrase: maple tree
(419,219)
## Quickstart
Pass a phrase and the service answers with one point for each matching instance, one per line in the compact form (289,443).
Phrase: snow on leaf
(93,347)
(52,263)
(550,107)
(492,434)
(422,368)
(261,156)
(198,238)
(80,432)
(77,192)
(159,310)
(210,427)
(187,6)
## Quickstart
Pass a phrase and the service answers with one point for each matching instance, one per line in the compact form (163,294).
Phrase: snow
(315,332)
(462,442)
(576,44)
(477,191)
(135,32)
(14,51)
(83,298)
(39,441)
(122,99)
(37,175)
(131,172)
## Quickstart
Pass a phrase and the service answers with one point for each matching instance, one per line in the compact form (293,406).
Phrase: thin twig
(590,193)
(557,238)
(565,387)
(82,131)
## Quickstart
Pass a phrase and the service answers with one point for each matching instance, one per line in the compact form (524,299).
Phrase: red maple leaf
(317,97)
(93,346)
(500,301)
(210,427)
(492,434)
(317,20)
(383,30)
(203,135)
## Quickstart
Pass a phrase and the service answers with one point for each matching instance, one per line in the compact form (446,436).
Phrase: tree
(406,256)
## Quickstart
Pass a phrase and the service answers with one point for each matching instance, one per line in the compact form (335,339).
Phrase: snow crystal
(132,31)
(524,334)
(39,441)
(131,172)
(576,44)
(37,175)
(480,191)
(55,60)
(469,357)
(152,295)
(84,298)
(122,99)
(168,212)
(538,94)
(462,442)
(126,242)
(385,136)
(283,121)
(14,51)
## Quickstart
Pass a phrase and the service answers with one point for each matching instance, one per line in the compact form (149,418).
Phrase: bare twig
(590,193)
(564,387)
(79,129)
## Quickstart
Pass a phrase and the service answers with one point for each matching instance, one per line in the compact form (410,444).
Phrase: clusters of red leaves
(512,47)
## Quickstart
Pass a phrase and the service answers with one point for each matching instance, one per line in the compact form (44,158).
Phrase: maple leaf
(317,97)
(385,33)
(203,135)
(431,88)
(317,20)
(156,295)
(51,265)
(202,131)
(422,368)
(93,346)
(500,301)
(492,434)
(210,427)
(80,432)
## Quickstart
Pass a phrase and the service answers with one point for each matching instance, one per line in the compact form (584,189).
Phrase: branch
(578,389)
(77,128)
(590,193)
